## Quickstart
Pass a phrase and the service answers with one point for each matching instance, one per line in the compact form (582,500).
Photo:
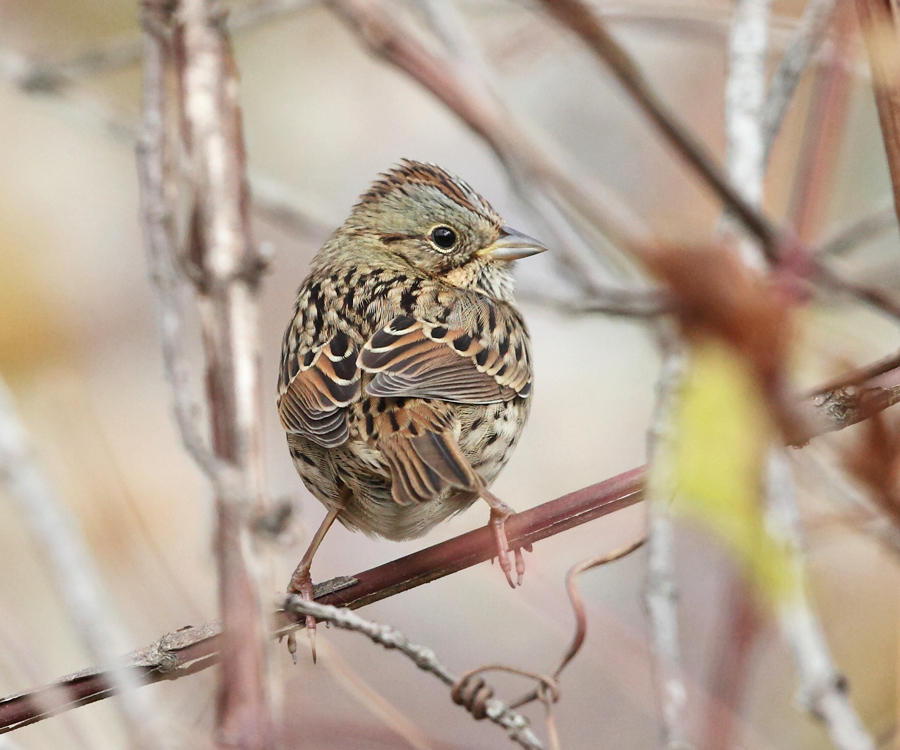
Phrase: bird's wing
(316,385)
(418,440)
(483,363)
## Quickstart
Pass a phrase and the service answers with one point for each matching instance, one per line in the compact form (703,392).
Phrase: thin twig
(578,609)
(75,575)
(608,301)
(660,592)
(803,45)
(158,200)
(823,690)
(826,114)
(582,20)
(858,231)
(515,725)
(880,22)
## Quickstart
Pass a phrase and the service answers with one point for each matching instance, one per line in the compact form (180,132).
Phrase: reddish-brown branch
(881,30)
(824,129)
(192,649)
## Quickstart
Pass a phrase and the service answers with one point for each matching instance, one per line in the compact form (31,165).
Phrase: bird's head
(431,220)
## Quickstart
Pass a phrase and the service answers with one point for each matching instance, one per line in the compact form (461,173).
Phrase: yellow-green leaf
(712,463)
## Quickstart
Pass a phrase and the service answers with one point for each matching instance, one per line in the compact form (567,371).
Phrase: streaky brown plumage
(406,369)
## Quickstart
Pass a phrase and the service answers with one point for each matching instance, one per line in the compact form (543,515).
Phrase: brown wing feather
(324,382)
(413,358)
(418,440)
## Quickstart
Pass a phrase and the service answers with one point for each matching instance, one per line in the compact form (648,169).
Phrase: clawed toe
(498,526)
(301,583)
(520,565)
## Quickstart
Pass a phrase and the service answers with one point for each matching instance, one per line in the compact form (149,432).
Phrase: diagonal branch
(880,22)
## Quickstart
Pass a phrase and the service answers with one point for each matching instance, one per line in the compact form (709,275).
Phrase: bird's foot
(498,527)
(301,583)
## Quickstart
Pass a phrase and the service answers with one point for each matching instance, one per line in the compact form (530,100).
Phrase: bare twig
(578,609)
(826,114)
(841,405)
(881,29)
(859,230)
(608,301)
(587,24)
(515,725)
(75,576)
(822,689)
(804,42)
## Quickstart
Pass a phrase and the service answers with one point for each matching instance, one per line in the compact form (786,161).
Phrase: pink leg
(301,583)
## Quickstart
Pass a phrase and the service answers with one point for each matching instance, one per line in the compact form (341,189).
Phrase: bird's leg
(500,511)
(301,582)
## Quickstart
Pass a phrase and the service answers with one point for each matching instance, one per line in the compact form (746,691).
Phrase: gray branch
(515,725)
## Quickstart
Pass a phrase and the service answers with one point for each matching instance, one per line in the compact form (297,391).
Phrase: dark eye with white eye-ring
(443,237)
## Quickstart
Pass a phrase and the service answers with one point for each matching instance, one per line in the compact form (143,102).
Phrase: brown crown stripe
(429,174)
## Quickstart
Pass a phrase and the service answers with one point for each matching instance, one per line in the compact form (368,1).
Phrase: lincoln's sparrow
(406,369)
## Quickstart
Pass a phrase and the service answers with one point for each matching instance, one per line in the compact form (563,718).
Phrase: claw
(301,583)
(498,526)
(520,565)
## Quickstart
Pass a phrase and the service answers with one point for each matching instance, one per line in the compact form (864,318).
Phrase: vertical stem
(225,269)
(661,593)
(879,21)
(745,91)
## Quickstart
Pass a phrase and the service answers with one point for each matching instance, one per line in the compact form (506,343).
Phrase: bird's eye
(443,237)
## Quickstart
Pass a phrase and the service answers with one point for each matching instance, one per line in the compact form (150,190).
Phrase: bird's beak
(512,245)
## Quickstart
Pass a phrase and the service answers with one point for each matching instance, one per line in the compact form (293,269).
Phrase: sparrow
(406,368)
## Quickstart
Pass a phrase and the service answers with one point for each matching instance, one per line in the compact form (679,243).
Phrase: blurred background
(79,349)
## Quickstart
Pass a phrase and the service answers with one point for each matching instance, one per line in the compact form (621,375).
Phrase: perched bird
(406,368)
